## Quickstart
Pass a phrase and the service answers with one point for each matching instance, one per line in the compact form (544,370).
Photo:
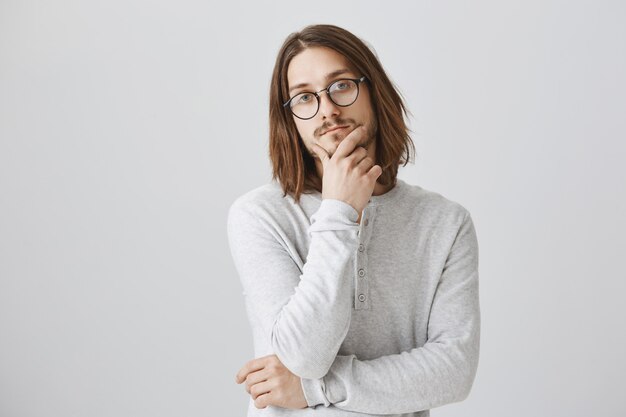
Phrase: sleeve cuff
(313,390)
(334,215)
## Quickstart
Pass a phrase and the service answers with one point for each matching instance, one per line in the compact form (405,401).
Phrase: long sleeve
(305,314)
(441,371)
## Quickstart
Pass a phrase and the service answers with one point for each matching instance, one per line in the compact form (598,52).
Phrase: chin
(339,136)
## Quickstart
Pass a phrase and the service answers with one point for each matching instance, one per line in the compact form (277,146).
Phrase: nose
(328,109)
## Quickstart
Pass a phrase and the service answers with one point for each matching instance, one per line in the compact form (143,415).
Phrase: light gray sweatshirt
(377,318)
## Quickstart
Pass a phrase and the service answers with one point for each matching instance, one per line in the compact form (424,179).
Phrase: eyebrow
(328,77)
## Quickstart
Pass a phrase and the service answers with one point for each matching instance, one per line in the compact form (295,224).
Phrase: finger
(350,142)
(358,155)
(250,366)
(365,164)
(259,389)
(375,172)
(263,401)
(255,378)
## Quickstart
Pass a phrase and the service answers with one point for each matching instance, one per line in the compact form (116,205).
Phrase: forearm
(420,379)
(311,327)
(305,314)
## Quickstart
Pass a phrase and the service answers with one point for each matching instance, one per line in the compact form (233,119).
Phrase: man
(361,290)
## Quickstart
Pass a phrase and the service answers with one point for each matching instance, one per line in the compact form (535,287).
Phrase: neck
(380,189)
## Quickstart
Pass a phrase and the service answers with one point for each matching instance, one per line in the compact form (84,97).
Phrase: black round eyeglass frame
(357,81)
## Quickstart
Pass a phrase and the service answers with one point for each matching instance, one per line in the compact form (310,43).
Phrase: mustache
(336,122)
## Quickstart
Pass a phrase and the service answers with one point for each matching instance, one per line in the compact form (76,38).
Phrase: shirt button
(362,297)
(361,272)
(361,247)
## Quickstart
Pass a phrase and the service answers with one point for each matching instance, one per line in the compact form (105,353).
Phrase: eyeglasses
(342,92)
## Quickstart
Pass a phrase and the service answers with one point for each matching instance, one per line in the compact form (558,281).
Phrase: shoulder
(432,204)
(431,200)
(265,216)
(267,194)
(265,204)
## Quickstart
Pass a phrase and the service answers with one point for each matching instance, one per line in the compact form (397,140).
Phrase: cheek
(305,130)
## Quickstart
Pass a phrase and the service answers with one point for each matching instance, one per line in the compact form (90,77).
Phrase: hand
(269,382)
(350,175)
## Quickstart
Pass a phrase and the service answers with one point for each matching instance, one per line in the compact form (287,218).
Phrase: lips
(332,129)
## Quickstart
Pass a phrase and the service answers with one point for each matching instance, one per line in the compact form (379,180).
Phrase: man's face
(315,69)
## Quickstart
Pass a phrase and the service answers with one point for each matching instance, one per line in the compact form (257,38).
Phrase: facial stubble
(338,137)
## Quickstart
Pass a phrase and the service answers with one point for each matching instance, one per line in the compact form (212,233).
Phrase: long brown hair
(292,165)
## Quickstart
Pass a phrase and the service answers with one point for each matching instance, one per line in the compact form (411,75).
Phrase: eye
(342,86)
(302,98)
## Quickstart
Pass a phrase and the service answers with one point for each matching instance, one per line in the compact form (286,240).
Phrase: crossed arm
(305,339)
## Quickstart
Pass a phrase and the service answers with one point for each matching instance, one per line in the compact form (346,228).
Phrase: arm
(440,372)
(305,315)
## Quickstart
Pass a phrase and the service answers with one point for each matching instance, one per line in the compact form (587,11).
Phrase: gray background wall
(128,127)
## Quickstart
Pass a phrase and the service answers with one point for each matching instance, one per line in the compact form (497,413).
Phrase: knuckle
(276,366)
(259,403)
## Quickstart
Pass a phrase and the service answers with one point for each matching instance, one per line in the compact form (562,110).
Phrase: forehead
(313,65)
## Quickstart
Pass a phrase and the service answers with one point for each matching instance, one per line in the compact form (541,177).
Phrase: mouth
(333,129)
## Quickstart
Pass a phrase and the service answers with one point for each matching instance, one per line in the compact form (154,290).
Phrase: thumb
(321,153)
